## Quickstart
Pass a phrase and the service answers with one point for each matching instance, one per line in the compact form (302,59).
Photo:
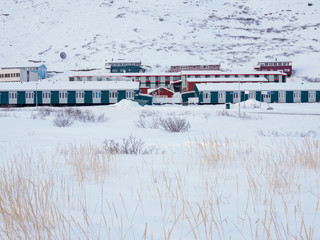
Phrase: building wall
(180,68)
(285,69)
(28,76)
(10,75)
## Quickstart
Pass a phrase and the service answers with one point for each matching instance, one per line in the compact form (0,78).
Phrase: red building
(179,68)
(161,91)
(282,66)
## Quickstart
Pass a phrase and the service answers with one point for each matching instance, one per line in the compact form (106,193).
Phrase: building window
(148,84)
(129,94)
(221,95)
(13,95)
(167,78)
(157,78)
(282,95)
(296,94)
(256,76)
(113,94)
(96,94)
(207,76)
(227,76)
(268,95)
(312,95)
(217,76)
(80,95)
(184,67)
(197,76)
(246,76)
(252,95)
(62,95)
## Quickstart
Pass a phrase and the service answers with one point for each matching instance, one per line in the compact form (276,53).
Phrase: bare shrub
(274,133)
(42,113)
(130,145)
(148,113)
(242,115)
(111,146)
(45,112)
(174,124)
(69,115)
(148,119)
(62,120)
(141,123)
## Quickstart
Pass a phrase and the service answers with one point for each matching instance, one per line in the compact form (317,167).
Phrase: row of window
(148,84)
(9,75)
(252,95)
(79,95)
(194,66)
(124,64)
(275,64)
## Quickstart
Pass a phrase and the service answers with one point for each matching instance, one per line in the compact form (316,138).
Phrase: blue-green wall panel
(55,97)
(304,96)
(88,97)
(229,97)
(289,97)
(4,98)
(214,97)
(21,97)
(104,97)
(72,97)
(121,95)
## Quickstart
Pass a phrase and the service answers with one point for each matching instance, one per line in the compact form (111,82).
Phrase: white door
(206,97)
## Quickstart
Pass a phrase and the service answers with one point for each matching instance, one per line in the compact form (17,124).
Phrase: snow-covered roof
(151,74)
(215,80)
(65,85)
(194,64)
(251,72)
(257,86)
(156,89)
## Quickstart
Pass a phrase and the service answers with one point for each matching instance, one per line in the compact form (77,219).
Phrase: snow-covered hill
(161,32)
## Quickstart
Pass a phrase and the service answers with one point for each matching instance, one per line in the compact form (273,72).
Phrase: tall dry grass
(88,160)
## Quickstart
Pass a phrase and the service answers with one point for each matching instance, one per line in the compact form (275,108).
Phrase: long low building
(215,93)
(190,82)
(177,81)
(67,93)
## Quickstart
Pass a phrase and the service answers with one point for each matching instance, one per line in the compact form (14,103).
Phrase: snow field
(227,177)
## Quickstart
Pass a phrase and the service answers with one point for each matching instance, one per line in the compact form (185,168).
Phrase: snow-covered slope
(161,32)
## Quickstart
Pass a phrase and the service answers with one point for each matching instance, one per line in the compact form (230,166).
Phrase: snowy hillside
(236,34)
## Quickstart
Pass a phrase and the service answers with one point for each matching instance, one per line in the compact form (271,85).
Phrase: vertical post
(37,96)
(239,97)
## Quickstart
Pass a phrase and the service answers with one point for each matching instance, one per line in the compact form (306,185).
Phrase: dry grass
(87,160)
(244,193)
(27,206)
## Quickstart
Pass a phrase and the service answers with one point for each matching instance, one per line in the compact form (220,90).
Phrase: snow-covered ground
(254,177)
